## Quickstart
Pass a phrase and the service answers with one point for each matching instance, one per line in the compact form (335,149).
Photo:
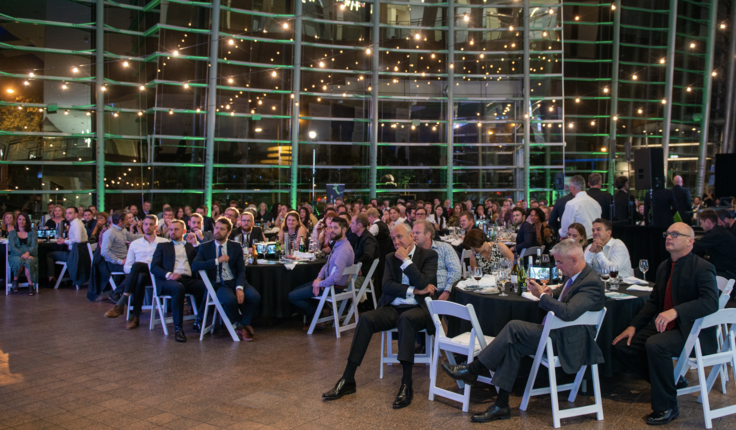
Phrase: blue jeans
(303,298)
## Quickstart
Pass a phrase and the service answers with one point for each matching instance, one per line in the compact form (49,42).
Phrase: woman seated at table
(294,228)
(485,254)
(56,218)
(480,213)
(305,216)
(576,232)
(281,217)
(454,220)
(182,215)
(100,228)
(8,224)
(494,212)
(439,220)
(23,247)
(545,235)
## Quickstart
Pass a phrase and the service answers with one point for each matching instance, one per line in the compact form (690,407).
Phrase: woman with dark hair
(480,213)
(545,236)
(100,227)
(440,221)
(179,213)
(485,254)
(23,246)
(454,220)
(576,232)
(305,216)
(294,228)
(216,210)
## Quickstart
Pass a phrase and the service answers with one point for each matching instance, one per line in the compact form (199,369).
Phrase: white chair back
(212,300)
(465,254)
(532,250)
(367,287)
(726,294)
(329,295)
(723,282)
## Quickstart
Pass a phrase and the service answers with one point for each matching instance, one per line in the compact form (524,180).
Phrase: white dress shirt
(141,251)
(77,233)
(409,300)
(613,253)
(581,209)
(181,262)
(227,274)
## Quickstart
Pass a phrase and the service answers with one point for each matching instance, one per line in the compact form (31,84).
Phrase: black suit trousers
(408,319)
(650,356)
(135,284)
(503,356)
(178,290)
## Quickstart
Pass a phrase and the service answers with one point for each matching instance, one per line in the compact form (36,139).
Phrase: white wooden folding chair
(9,276)
(725,355)
(531,251)
(726,287)
(329,295)
(61,278)
(367,287)
(465,254)
(159,306)
(390,358)
(545,356)
(470,344)
(212,300)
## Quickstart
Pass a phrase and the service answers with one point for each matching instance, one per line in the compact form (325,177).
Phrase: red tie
(668,296)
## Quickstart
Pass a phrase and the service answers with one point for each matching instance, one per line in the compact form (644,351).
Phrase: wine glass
(477,274)
(604,276)
(543,277)
(644,267)
(545,258)
(613,271)
(501,282)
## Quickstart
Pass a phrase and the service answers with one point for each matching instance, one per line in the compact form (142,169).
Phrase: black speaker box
(725,175)
(649,169)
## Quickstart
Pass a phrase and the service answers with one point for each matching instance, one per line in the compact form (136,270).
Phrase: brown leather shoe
(115,312)
(250,331)
(134,322)
(244,335)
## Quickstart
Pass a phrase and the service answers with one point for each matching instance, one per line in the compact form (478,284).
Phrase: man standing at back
(581,209)
(682,198)
(604,198)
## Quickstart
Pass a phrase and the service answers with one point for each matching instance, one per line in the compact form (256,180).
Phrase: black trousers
(52,258)
(503,356)
(178,290)
(135,283)
(408,319)
(650,356)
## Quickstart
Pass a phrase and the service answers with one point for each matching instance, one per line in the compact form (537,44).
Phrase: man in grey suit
(575,346)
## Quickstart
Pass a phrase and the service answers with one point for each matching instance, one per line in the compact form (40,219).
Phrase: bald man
(682,197)
(685,290)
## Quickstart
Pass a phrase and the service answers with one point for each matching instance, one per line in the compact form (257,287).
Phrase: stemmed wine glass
(501,281)
(613,271)
(545,258)
(644,267)
(477,274)
(604,276)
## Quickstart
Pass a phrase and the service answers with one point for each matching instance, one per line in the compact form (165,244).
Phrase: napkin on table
(639,288)
(529,296)
(290,266)
(635,281)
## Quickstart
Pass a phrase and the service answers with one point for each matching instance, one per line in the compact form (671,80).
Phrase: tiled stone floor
(63,365)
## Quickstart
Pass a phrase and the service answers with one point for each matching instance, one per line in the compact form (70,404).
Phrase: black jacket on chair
(694,295)
(207,254)
(576,345)
(604,198)
(164,258)
(366,250)
(684,204)
(422,272)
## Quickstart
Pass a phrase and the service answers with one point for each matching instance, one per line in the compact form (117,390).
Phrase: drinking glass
(501,282)
(644,267)
(613,271)
(605,276)
(545,258)
(477,274)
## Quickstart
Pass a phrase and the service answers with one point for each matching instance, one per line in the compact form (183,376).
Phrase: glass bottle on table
(514,273)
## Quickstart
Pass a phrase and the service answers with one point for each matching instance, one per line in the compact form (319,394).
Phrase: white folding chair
(9,276)
(470,344)
(465,254)
(390,358)
(725,355)
(329,295)
(532,250)
(159,305)
(61,278)
(726,287)
(545,355)
(212,300)
(367,287)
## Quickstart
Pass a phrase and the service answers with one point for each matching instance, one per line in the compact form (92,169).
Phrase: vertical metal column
(527,103)
(614,95)
(727,128)
(669,82)
(211,103)
(707,89)
(100,107)
(375,41)
(296,80)
(450,96)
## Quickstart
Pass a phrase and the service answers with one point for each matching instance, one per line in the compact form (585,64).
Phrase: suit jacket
(163,260)
(664,207)
(352,238)
(622,211)
(207,254)
(208,224)
(720,247)
(694,295)
(526,236)
(604,198)
(366,250)
(684,204)
(576,346)
(422,272)
(256,234)
(555,217)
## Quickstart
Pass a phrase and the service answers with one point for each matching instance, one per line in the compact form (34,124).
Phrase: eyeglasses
(674,234)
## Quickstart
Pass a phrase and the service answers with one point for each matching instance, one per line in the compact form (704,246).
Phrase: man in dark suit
(604,198)
(623,211)
(663,208)
(575,346)
(526,235)
(352,237)
(555,218)
(685,290)
(366,250)
(228,280)
(726,220)
(409,277)
(248,231)
(717,245)
(172,266)
(682,198)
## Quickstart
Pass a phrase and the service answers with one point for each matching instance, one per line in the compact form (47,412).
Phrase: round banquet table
(494,312)
(274,282)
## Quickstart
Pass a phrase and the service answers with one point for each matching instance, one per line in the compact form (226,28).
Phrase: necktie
(668,303)
(564,290)
(219,266)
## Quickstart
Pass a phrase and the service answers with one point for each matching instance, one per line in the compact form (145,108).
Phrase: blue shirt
(342,256)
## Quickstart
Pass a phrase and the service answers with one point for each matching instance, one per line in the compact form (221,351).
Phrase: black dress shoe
(340,389)
(197,327)
(493,413)
(179,336)
(403,399)
(682,383)
(663,417)
(459,372)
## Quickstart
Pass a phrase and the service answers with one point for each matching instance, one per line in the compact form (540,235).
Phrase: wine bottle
(521,277)
(302,246)
(515,272)
(539,257)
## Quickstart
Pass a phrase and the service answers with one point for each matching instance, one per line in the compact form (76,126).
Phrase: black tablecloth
(495,312)
(643,243)
(274,282)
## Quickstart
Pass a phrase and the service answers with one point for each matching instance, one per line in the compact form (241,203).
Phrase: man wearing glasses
(685,290)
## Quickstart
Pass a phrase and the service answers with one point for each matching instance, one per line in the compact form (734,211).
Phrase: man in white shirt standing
(581,209)
(77,234)
(140,253)
(605,251)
